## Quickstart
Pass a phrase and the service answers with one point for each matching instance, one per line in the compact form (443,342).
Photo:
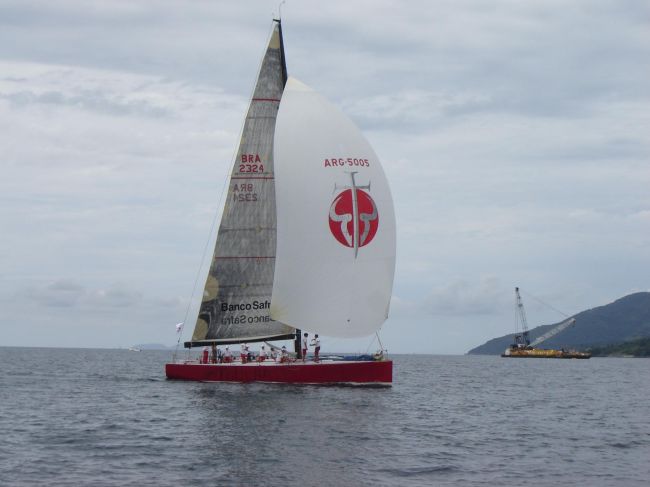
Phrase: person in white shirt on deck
(227,356)
(285,355)
(316,343)
(305,346)
(262,356)
(243,353)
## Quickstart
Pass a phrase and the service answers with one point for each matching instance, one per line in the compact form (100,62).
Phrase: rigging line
(178,342)
(205,249)
(381,345)
(280,10)
(545,304)
(370,344)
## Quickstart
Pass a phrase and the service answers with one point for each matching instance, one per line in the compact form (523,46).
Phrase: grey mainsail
(237,295)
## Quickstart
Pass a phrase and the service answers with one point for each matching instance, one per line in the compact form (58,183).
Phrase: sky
(515,137)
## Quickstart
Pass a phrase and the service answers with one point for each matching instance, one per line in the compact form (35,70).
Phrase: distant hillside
(635,348)
(626,319)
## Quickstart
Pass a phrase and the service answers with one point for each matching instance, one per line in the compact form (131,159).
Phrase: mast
(297,346)
(283,59)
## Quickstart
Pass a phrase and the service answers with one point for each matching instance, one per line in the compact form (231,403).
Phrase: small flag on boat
(179,327)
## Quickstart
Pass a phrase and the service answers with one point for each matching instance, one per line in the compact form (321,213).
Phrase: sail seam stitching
(246,257)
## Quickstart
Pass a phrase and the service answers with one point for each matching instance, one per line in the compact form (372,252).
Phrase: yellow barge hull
(541,353)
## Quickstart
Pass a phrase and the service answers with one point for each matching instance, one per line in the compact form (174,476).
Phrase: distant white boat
(134,349)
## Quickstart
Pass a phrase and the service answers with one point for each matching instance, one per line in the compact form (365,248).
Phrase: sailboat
(306,241)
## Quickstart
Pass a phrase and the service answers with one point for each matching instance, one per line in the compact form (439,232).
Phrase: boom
(553,331)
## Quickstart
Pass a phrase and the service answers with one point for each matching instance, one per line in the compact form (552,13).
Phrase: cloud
(107,92)
(59,294)
(116,296)
(88,100)
(463,298)
(413,110)
(68,293)
(515,141)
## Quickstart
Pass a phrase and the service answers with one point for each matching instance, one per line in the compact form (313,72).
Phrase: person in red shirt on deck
(206,354)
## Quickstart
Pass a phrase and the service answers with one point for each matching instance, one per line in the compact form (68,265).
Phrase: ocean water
(110,418)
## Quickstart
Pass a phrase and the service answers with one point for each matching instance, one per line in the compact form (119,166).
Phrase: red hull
(371,373)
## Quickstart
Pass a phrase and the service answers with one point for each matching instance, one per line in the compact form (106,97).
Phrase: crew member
(305,346)
(316,343)
(262,355)
(206,354)
(243,353)
(285,356)
(213,354)
(227,356)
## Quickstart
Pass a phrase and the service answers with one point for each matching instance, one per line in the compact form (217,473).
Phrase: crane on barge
(522,346)
(521,323)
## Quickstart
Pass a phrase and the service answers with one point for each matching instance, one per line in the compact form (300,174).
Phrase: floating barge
(515,352)
(522,346)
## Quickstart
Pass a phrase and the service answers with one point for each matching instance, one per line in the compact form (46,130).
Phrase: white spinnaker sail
(332,276)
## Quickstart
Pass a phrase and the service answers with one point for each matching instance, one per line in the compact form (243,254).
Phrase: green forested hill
(634,348)
(624,320)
